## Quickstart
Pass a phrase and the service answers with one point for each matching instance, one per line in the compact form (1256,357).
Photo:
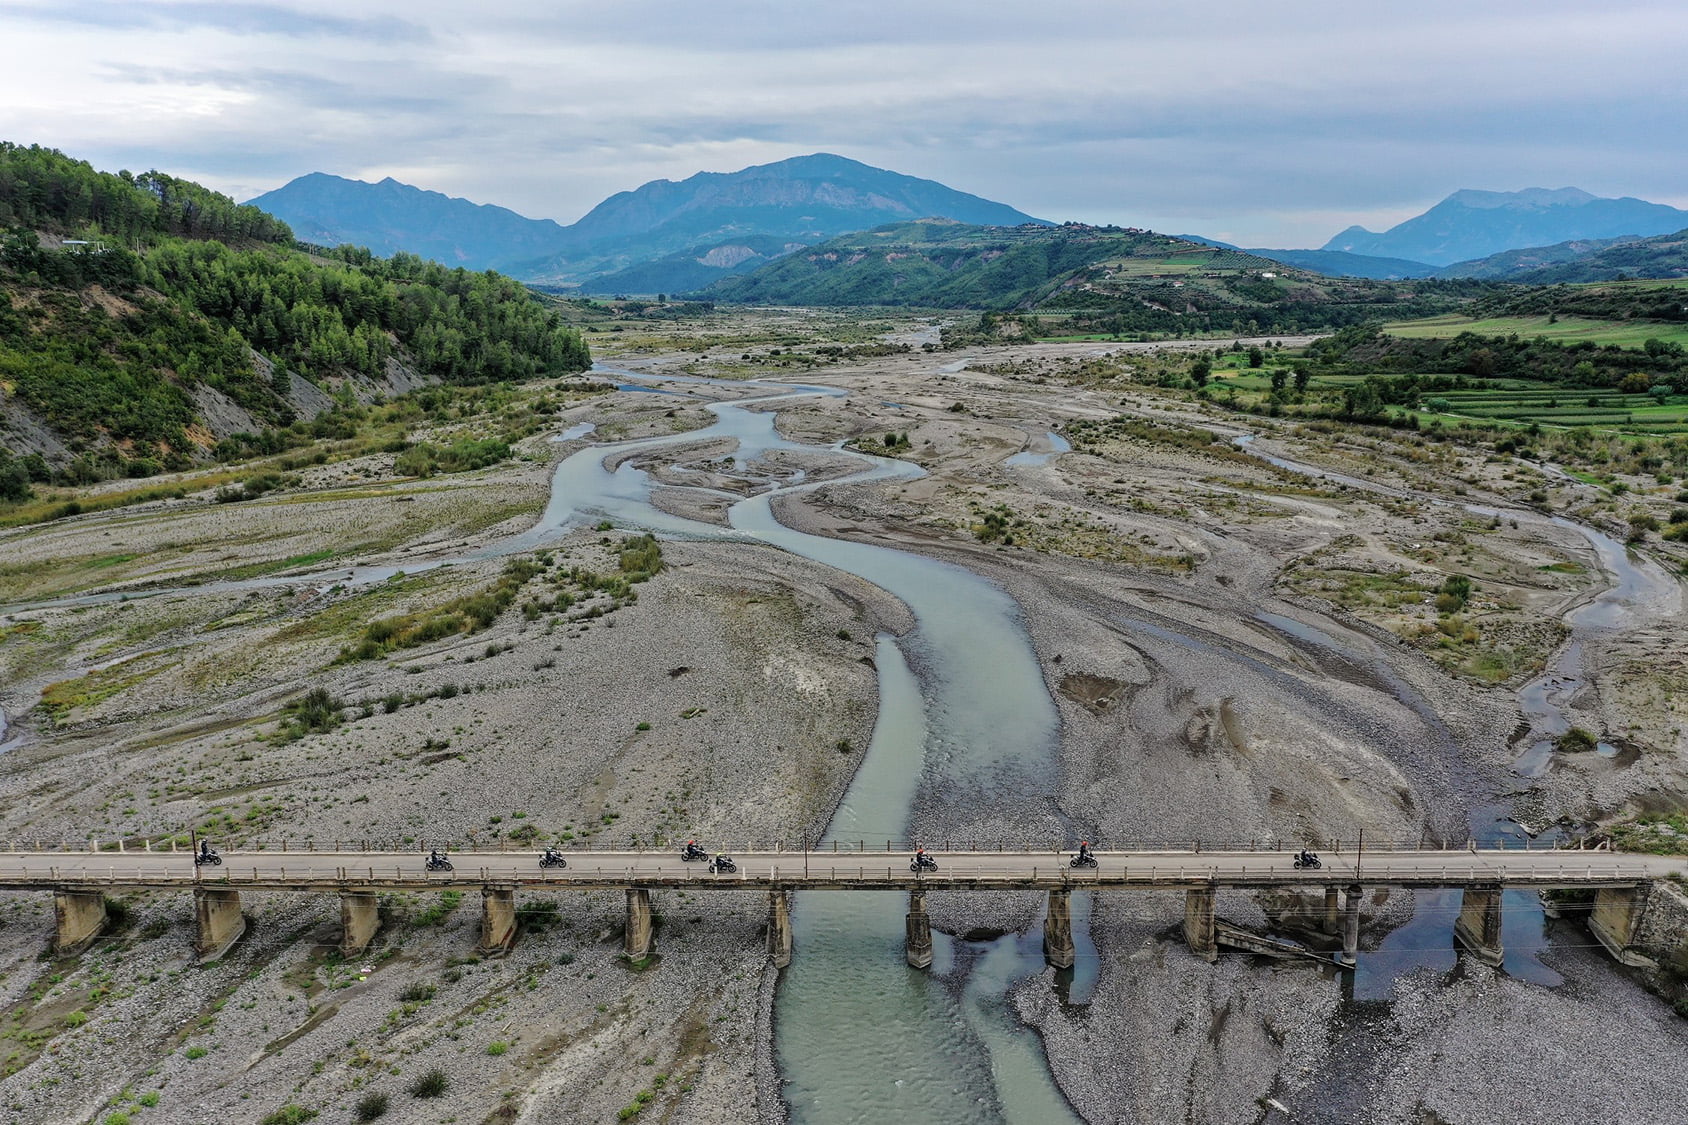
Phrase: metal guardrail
(972,871)
(412,845)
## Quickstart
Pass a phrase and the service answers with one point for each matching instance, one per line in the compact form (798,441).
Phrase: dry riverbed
(1236,652)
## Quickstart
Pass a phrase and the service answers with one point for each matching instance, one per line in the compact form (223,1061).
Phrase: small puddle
(1057,446)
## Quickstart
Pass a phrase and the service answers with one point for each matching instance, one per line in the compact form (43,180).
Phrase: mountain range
(669,235)
(685,236)
(1468,225)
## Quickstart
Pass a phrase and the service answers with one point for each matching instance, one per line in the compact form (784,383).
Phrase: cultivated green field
(1628,334)
(1560,406)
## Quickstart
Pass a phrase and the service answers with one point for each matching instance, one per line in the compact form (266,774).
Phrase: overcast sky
(1265,122)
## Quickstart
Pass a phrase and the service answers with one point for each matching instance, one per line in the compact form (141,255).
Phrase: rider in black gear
(1084,851)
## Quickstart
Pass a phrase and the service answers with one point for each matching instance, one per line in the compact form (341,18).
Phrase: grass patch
(469,614)
(62,698)
(1563,329)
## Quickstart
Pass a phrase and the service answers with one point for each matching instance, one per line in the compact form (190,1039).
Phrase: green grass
(1628,334)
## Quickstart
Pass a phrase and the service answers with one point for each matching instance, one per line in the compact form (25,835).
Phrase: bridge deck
(589,870)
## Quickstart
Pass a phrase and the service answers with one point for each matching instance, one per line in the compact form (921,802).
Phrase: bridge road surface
(845,870)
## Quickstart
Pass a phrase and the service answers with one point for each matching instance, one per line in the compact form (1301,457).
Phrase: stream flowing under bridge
(81,880)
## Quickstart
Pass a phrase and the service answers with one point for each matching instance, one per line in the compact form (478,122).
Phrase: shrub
(370,1106)
(429,1084)
(314,712)
(497,1047)
(195,1053)
(1575,741)
(290,1114)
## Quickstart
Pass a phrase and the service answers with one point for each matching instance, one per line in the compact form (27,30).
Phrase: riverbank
(1209,673)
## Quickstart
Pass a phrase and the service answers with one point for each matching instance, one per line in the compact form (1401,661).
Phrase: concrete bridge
(80,881)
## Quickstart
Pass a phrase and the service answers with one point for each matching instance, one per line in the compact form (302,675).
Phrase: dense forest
(43,189)
(1578,364)
(120,295)
(1662,301)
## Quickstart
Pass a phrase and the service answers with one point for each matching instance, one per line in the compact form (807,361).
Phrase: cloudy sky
(1266,122)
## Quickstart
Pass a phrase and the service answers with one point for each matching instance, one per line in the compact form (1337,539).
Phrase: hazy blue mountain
(805,199)
(1340,263)
(390,216)
(1330,263)
(1508,264)
(702,228)
(1475,224)
(693,268)
(1659,256)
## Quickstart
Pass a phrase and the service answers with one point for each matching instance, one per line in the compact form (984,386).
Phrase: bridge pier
(1615,920)
(360,917)
(1350,954)
(637,942)
(1058,930)
(779,929)
(919,926)
(1198,923)
(219,922)
(78,918)
(1478,928)
(498,920)
(1331,922)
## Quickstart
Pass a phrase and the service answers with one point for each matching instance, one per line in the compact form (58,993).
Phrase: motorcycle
(438,863)
(551,859)
(922,862)
(693,851)
(722,865)
(204,857)
(1307,860)
(1083,859)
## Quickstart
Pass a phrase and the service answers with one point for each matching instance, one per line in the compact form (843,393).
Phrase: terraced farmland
(1563,406)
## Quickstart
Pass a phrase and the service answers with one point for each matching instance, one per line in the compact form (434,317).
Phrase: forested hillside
(1090,279)
(126,300)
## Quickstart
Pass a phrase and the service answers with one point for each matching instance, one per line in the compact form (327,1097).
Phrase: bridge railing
(1589,868)
(415,845)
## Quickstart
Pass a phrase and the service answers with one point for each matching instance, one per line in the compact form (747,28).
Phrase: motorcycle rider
(692,850)
(1084,855)
(435,858)
(1307,858)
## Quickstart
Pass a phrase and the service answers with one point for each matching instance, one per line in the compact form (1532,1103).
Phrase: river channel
(964,714)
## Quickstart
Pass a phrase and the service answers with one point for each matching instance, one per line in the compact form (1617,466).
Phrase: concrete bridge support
(638,942)
(1058,930)
(498,920)
(1351,925)
(919,931)
(779,929)
(220,923)
(1332,921)
(1616,919)
(1198,923)
(78,918)
(1478,928)
(360,917)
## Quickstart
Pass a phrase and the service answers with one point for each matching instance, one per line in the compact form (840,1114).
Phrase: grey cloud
(1262,116)
(238,18)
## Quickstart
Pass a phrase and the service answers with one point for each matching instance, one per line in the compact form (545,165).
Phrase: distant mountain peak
(1471,224)
(1528,197)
